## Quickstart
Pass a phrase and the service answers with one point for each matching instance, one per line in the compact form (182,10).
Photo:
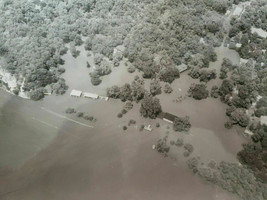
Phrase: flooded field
(54,156)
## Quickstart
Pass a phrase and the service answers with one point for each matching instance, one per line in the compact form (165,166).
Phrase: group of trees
(231,177)
(237,116)
(248,80)
(133,92)
(198,91)
(204,75)
(181,124)
(150,106)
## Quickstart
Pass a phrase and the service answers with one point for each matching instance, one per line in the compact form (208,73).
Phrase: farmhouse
(90,95)
(76,93)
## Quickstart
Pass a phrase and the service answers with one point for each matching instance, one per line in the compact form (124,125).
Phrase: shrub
(179,142)
(70,110)
(189,147)
(123,111)
(131,122)
(80,114)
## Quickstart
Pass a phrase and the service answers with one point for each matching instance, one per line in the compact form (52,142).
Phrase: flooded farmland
(81,162)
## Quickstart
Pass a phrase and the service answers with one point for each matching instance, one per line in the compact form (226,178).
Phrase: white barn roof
(76,93)
(90,95)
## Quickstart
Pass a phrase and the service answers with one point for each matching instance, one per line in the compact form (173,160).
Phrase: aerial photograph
(133,100)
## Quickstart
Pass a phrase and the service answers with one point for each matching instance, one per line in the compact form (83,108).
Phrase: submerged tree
(150,106)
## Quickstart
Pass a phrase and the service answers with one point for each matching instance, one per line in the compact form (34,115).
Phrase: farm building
(76,93)
(167,117)
(103,98)
(264,120)
(90,95)
(48,90)
(182,68)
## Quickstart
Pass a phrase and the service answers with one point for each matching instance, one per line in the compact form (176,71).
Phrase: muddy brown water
(46,156)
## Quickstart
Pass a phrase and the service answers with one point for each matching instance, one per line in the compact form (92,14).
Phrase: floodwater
(212,141)
(45,154)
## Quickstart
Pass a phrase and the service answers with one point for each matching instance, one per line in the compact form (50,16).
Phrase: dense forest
(157,35)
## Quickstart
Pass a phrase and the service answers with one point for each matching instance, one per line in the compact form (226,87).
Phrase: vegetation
(167,88)
(70,110)
(150,106)
(162,146)
(198,91)
(133,92)
(181,124)
(214,91)
(155,87)
(228,177)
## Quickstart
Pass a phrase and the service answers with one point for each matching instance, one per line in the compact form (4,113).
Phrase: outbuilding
(182,68)
(76,93)
(90,95)
(103,98)
(148,128)
(264,120)
(167,117)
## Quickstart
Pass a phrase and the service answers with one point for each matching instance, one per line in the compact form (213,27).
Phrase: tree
(239,116)
(214,91)
(37,94)
(167,88)
(114,92)
(155,87)
(226,88)
(88,64)
(126,92)
(198,91)
(181,124)
(169,74)
(150,106)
